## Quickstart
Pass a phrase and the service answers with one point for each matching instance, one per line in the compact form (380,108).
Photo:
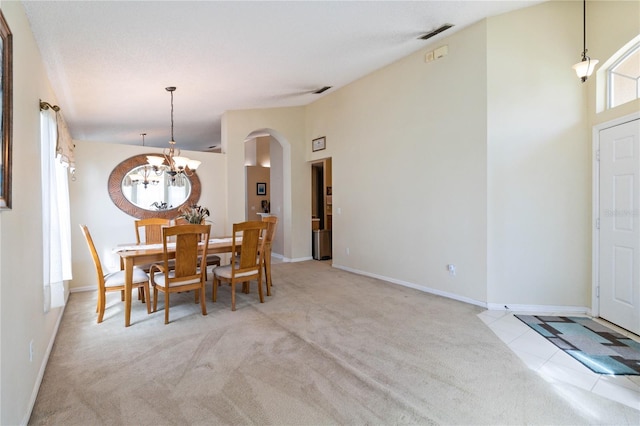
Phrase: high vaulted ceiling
(110,61)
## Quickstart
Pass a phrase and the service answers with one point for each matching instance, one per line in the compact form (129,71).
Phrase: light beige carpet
(329,347)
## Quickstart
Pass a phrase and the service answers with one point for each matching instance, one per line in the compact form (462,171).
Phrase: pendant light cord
(172,115)
(584,29)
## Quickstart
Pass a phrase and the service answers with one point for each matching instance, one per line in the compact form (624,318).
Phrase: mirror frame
(115,190)
(6,138)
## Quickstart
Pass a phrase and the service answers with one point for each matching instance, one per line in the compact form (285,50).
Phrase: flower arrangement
(194,213)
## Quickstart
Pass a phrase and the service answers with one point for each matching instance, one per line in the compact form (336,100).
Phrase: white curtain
(56,217)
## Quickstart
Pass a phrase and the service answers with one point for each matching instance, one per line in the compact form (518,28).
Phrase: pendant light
(176,164)
(585,67)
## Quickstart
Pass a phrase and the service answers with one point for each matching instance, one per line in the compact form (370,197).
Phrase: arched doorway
(268,183)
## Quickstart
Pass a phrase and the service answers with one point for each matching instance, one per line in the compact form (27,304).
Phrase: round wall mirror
(138,190)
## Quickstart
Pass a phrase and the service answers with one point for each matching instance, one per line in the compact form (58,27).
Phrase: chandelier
(175,164)
(585,67)
(145,177)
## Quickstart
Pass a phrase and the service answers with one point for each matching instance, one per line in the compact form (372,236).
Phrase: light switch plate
(441,52)
(429,56)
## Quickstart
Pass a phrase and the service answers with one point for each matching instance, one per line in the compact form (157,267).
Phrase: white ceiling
(109,62)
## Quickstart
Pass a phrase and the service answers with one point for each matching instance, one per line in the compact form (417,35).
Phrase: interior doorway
(321,209)
(264,180)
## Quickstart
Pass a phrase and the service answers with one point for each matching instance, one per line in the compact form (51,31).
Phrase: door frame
(595,231)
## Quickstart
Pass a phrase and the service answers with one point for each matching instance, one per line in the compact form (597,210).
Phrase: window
(623,78)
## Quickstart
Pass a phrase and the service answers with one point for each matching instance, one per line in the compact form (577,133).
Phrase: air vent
(322,90)
(435,32)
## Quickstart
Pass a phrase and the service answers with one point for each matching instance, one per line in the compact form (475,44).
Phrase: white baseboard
(283,259)
(81,289)
(539,309)
(415,286)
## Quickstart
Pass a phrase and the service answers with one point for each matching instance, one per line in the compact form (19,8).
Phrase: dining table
(141,254)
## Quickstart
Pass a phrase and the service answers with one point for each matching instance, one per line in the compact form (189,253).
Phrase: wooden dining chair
(115,280)
(151,229)
(188,272)
(272,225)
(212,259)
(246,259)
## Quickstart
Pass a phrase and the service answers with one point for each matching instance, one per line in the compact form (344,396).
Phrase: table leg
(128,278)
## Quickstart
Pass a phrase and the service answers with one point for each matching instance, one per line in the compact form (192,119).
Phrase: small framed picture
(261,188)
(318,144)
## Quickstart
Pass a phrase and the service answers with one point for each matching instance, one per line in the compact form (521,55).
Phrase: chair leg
(166,307)
(202,304)
(155,298)
(260,288)
(267,270)
(233,296)
(148,298)
(101,302)
(214,292)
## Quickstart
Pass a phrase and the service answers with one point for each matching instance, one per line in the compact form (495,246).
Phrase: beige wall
(408,149)
(21,295)
(277,193)
(611,24)
(480,159)
(92,206)
(286,126)
(539,159)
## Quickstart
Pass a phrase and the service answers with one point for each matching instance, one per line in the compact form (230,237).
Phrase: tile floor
(554,364)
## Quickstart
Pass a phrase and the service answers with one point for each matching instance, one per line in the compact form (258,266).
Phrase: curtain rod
(46,105)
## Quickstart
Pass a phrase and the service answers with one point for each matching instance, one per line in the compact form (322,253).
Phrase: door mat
(599,348)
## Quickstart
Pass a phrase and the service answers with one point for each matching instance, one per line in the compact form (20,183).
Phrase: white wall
(110,226)
(22,317)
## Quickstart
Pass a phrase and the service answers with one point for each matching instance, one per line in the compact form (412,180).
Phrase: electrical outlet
(31,351)
(347,250)
(452,269)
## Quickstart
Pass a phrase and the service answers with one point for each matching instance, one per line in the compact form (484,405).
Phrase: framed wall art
(261,188)
(6,88)
(318,144)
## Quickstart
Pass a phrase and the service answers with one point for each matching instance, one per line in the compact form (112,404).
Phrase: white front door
(619,212)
